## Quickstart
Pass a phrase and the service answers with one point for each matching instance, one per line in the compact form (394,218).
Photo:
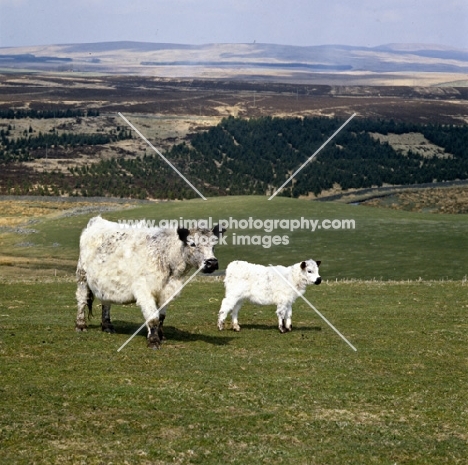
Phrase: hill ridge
(133,57)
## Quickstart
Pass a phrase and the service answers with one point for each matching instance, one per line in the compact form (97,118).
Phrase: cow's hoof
(220,325)
(161,334)
(282,329)
(236,328)
(154,342)
(79,328)
(108,328)
(154,345)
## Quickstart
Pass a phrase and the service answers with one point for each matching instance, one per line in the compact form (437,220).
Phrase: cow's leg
(89,302)
(152,323)
(227,305)
(151,316)
(171,289)
(84,298)
(106,324)
(162,317)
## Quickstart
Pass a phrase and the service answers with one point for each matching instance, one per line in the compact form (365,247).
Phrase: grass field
(385,244)
(252,397)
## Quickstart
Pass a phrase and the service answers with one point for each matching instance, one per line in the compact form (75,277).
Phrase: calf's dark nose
(318,280)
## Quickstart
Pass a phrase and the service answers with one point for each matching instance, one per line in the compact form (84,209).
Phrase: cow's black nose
(318,280)
(210,265)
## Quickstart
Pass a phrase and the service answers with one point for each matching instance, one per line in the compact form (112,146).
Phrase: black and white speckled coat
(143,265)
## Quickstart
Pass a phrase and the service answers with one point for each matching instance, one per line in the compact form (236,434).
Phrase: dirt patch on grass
(341,415)
(19,220)
(20,210)
(16,212)
(452,200)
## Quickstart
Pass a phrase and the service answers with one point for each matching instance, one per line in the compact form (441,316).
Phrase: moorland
(62,135)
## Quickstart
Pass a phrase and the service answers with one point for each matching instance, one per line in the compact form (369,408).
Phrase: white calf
(262,285)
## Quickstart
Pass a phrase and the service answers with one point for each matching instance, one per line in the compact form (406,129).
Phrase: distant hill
(184,60)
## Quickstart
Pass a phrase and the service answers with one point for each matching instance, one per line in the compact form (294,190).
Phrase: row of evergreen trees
(30,147)
(11,113)
(251,155)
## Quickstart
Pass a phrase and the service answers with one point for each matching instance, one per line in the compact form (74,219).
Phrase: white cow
(262,285)
(143,265)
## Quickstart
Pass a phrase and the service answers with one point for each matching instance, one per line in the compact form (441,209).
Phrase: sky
(366,23)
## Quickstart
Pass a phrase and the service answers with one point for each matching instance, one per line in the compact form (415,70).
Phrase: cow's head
(310,270)
(199,246)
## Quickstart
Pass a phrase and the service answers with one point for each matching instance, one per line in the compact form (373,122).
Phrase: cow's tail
(89,303)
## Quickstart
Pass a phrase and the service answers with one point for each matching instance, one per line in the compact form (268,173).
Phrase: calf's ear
(303,265)
(183,234)
(318,262)
(217,231)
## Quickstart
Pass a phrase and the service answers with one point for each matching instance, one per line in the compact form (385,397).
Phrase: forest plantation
(238,156)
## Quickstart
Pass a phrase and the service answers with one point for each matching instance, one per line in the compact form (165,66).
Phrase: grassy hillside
(210,397)
(385,244)
(252,397)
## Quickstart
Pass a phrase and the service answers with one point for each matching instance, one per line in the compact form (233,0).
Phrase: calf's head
(310,269)
(199,246)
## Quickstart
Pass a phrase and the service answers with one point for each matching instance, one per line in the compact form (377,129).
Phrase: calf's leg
(223,313)
(235,312)
(227,305)
(281,312)
(288,319)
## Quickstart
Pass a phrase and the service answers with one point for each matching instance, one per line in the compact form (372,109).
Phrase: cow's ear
(318,263)
(217,231)
(183,234)
(303,265)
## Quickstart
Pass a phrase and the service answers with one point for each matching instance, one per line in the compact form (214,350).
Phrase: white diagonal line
(162,156)
(313,308)
(162,306)
(316,152)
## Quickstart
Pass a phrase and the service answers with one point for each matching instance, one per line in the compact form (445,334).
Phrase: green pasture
(211,397)
(395,286)
(385,244)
